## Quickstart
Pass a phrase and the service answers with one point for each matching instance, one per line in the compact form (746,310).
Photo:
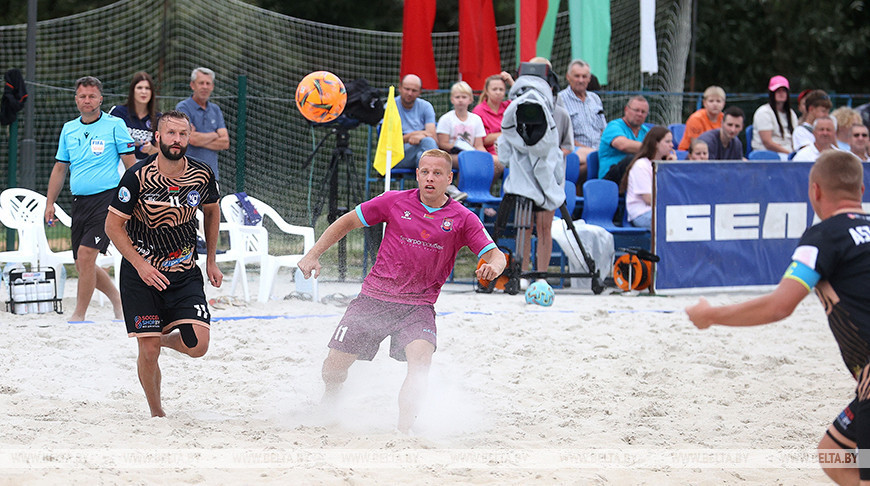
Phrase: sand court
(606,389)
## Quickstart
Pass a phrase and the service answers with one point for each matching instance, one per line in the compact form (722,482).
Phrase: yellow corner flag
(391,149)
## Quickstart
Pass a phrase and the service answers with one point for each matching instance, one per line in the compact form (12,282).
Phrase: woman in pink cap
(774,122)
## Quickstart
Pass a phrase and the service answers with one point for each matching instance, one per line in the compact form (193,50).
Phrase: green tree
(740,45)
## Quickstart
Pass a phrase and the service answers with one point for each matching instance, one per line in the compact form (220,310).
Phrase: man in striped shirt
(585,108)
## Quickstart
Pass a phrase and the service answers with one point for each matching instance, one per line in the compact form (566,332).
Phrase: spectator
(825,138)
(818,105)
(491,109)
(209,132)
(698,150)
(860,144)
(774,122)
(722,143)
(585,110)
(140,114)
(623,136)
(638,178)
(846,118)
(418,127)
(707,118)
(89,149)
(418,121)
(458,129)
(864,111)
(802,105)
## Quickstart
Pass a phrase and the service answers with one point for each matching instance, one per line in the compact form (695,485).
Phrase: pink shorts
(368,321)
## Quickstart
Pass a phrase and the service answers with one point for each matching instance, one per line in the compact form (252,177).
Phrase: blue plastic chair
(592,166)
(572,174)
(677,130)
(570,198)
(572,167)
(763,155)
(748,133)
(475,177)
(601,199)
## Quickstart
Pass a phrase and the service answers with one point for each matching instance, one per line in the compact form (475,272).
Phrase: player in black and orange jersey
(834,257)
(152,221)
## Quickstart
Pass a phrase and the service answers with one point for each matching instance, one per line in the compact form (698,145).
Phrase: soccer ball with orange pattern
(321,96)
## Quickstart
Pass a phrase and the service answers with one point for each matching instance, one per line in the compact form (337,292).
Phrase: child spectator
(818,105)
(491,109)
(707,118)
(698,150)
(458,129)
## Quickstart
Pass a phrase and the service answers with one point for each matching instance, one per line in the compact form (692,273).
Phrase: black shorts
(89,221)
(151,312)
(854,421)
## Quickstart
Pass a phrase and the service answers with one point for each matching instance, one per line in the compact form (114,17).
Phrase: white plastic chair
(24,211)
(254,240)
(13,217)
(231,255)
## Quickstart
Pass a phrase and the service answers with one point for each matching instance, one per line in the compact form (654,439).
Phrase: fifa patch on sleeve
(803,274)
(807,255)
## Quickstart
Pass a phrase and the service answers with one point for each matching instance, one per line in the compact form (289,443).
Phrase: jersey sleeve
(127,195)
(212,194)
(476,237)
(376,210)
(62,149)
(813,258)
(123,141)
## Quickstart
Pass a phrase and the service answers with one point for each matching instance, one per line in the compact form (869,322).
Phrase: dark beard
(165,150)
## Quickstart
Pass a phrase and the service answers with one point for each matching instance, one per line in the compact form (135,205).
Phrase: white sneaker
(456,194)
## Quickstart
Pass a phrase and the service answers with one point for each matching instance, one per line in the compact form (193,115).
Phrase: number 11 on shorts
(339,333)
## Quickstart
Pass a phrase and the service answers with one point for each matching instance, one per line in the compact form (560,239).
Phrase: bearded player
(152,222)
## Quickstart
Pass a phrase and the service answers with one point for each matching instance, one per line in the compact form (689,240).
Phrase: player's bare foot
(158,413)
(76,318)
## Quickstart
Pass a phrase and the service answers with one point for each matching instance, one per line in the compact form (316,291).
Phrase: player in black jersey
(152,221)
(834,257)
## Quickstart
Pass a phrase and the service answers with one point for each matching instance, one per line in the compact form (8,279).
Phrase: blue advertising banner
(729,224)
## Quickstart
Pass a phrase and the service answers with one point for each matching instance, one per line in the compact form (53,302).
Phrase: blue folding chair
(572,174)
(763,155)
(592,165)
(475,178)
(601,199)
(677,130)
(570,198)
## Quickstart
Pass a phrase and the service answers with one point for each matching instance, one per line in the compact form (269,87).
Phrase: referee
(89,149)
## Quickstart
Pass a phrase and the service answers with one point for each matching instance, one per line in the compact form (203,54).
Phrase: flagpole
(389,171)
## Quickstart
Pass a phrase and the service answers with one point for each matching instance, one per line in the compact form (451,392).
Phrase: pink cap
(777,82)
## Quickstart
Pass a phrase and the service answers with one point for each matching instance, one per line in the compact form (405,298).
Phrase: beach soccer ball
(321,96)
(540,293)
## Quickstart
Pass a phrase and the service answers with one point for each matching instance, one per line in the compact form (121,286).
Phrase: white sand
(518,394)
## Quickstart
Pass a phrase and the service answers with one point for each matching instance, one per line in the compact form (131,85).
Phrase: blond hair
(461,87)
(714,90)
